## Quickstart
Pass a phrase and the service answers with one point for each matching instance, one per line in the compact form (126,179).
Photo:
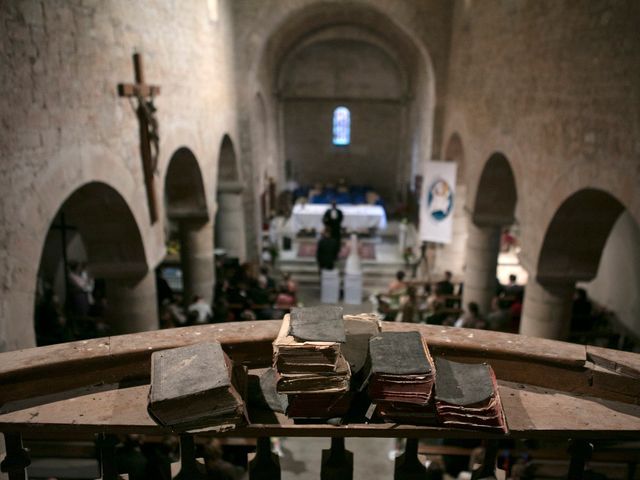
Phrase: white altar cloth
(356,217)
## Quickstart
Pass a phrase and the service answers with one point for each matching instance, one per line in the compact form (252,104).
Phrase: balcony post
(408,466)
(580,451)
(488,467)
(188,465)
(17,459)
(107,447)
(337,462)
(265,465)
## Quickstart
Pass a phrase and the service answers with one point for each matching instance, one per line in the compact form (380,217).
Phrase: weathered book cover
(292,355)
(318,324)
(399,353)
(192,388)
(467,396)
(402,370)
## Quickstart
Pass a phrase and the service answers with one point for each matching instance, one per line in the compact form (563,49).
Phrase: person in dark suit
(328,250)
(332,220)
(445,287)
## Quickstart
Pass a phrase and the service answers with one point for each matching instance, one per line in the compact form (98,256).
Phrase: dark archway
(496,196)
(451,256)
(93,227)
(228,170)
(570,252)
(230,228)
(576,236)
(185,195)
(190,226)
(494,209)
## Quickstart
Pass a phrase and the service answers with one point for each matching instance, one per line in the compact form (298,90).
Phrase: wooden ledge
(27,374)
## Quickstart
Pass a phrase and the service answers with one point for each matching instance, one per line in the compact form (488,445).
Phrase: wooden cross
(148,129)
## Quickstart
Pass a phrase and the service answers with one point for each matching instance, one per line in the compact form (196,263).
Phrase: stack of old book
(467,396)
(197,388)
(310,366)
(402,377)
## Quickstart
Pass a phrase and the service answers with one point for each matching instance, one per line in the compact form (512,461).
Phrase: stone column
(483,246)
(197,259)
(546,311)
(230,225)
(132,304)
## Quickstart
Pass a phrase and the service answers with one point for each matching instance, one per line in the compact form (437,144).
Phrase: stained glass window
(341,126)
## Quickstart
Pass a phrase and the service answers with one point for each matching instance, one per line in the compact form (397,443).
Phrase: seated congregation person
(472,318)
(199,311)
(285,296)
(445,287)
(499,318)
(410,311)
(581,311)
(398,286)
(440,315)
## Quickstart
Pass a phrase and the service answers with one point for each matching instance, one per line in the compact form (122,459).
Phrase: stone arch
(571,251)
(101,228)
(576,236)
(228,168)
(496,194)
(494,208)
(186,207)
(230,228)
(316,24)
(184,191)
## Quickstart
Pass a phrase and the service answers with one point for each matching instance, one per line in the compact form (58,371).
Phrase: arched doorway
(451,256)
(230,234)
(494,209)
(186,207)
(93,236)
(571,251)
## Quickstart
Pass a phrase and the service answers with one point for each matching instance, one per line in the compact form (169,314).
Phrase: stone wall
(555,87)
(63,124)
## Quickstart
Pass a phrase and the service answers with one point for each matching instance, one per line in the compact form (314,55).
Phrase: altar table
(356,217)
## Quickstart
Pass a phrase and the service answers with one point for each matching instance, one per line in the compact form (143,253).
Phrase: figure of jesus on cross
(149,137)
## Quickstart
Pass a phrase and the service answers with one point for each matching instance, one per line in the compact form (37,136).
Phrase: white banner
(437,200)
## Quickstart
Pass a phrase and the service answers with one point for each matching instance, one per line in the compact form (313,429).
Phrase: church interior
(174,164)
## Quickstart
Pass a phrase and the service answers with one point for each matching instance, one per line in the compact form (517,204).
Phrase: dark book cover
(317,324)
(463,384)
(193,387)
(399,353)
(466,396)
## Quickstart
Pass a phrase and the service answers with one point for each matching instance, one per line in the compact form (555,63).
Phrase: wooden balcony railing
(549,390)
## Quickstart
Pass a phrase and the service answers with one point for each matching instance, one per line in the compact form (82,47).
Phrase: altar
(356,217)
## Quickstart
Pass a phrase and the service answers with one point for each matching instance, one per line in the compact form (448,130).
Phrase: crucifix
(149,139)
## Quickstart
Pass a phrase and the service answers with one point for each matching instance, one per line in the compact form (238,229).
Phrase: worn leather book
(292,355)
(466,396)
(196,388)
(318,324)
(402,370)
(407,413)
(316,382)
